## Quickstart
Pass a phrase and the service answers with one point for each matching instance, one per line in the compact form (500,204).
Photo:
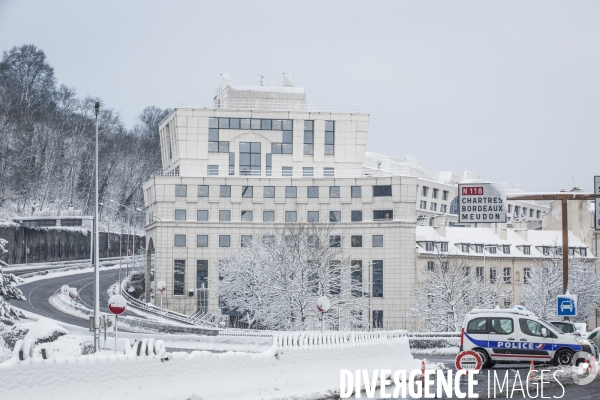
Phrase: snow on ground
(437,351)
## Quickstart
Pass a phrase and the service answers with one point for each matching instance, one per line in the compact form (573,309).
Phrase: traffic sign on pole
(482,202)
(597,214)
(597,185)
(566,305)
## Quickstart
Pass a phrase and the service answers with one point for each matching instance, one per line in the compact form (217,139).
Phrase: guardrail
(424,335)
(106,262)
(307,340)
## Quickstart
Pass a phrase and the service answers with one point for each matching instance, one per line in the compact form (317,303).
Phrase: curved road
(38,292)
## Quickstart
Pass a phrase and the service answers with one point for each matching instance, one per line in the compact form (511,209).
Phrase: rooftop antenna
(261,78)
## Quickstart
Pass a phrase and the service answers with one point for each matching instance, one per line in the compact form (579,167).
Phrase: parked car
(566,327)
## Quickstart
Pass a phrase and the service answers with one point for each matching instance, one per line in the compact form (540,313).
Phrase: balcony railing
(317,173)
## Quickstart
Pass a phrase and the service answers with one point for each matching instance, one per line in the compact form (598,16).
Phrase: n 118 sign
(481,202)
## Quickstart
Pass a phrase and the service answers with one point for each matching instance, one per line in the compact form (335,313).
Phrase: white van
(513,335)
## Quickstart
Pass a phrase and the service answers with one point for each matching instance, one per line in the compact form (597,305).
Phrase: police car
(517,335)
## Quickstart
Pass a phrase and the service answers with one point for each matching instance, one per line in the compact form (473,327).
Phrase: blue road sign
(566,305)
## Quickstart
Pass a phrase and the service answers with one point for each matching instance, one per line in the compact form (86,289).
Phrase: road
(38,292)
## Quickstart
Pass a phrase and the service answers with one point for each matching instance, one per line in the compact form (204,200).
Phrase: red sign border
(468,353)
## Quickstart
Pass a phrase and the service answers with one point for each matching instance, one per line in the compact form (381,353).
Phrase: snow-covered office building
(261,157)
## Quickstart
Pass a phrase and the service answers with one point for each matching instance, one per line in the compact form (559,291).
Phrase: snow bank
(301,364)
(45,330)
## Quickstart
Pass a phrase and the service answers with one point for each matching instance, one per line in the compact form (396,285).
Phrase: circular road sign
(72,293)
(64,289)
(468,360)
(117,304)
(161,286)
(323,304)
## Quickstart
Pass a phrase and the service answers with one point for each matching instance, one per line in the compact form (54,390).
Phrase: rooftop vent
(287,79)
(224,79)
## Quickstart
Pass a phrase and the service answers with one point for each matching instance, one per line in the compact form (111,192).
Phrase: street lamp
(120,240)
(96,247)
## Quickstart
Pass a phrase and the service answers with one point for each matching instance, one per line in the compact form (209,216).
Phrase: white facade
(239,171)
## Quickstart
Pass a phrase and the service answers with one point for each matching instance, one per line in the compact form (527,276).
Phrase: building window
(287,140)
(290,191)
(356,215)
(479,272)
(246,240)
(445,195)
(328,172)
(381,215)
(224,240)
(212,170)
(202,240)
(583,252)
(531,210)
(493,275)
(444,247)
(526,275)
(309,137)
(545,250)
(313,216)
(424,191)
(214,144)
(287,171)
(231,163)
(538,214)
(308,172)
(246,215)
(225,191)
(377,278)
(444,266)
(180,240)
(356,192)
(291,216)
(250,154)
(313,192)
(492,249)
(335,241)
(430,266)
(335,216)
(433,206)
(517,211)
(443,208)
(506,249)
(329,137)
(466,270)
(434,193)
(314,241)
(428,246)
(382,191)
(224,215)
(571,251)
(268,240)
(527,250)
(377,318)
(269,164)
(178,277)
(356,278)
(247,191)
(465,248)
(201,274)
(479,248)
(334,191)
(180,190)
(269,191)
(377,240)
(202,190)
(506,276)
(268,216)
(202,215)
(423,205)
(510,208)
(355,241)
(179,215)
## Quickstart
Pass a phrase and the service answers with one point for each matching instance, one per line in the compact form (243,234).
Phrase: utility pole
(96,250)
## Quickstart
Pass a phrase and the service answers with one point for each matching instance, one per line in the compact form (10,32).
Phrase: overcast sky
(509,89)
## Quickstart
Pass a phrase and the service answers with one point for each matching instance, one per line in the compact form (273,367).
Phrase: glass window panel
(223,147)
(329,150)
(328,125)
(180,240)
(268,216)
(269,191)
(246,240)
(178,277)
(224,123)
(276,125)
(377,240)
(334,191)
(265,124)
(335,216)
(255,160)
(287,137)
(309,149)
(276,148)
(356,241)
(287,124)
(356,191)
(245,147)
(268,159)
(255,147)
(357,216)
(247,191)
(247,216)
(213,123)
(179,215)
(202,240)
(308,138)
(329,138)
(307,171)
(381,191)
(290,216)
(180,190)
(224,240)
(213,170)
(255,124)
(287,148)
(308,125)
(382,215)
(225,191)
(313,191)
(328,172)
(224,215)
(213,135)
(335,241)
(286,171)
(313,216)
(290,191)
(202,215)
(245,123)
(377,278)
(213,147)
(201,274)
(234,123)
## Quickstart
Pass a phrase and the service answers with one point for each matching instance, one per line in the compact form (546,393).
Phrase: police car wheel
(564,357)
(485,358)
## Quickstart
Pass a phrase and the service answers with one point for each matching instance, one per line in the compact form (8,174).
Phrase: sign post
(566,305)
(161,286)
(597,203)
(117,305)
(482,202)
(323,305)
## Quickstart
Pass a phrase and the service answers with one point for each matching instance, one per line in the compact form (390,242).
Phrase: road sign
(323,304)
(72,293)
(468,360)
(161,286)
(566,305)
(597,185)
(597,214)
(117,304)
(482,202)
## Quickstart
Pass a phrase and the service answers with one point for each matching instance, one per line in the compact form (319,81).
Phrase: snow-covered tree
(544,283)
(449,292)
(274,279)
(8,290)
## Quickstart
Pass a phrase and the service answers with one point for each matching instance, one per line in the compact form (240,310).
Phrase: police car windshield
(554,329)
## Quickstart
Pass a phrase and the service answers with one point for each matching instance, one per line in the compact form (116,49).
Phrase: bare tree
(274,279)
(8,290)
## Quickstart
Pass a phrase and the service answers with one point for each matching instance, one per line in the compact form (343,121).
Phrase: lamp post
(120,240)
(96,248)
